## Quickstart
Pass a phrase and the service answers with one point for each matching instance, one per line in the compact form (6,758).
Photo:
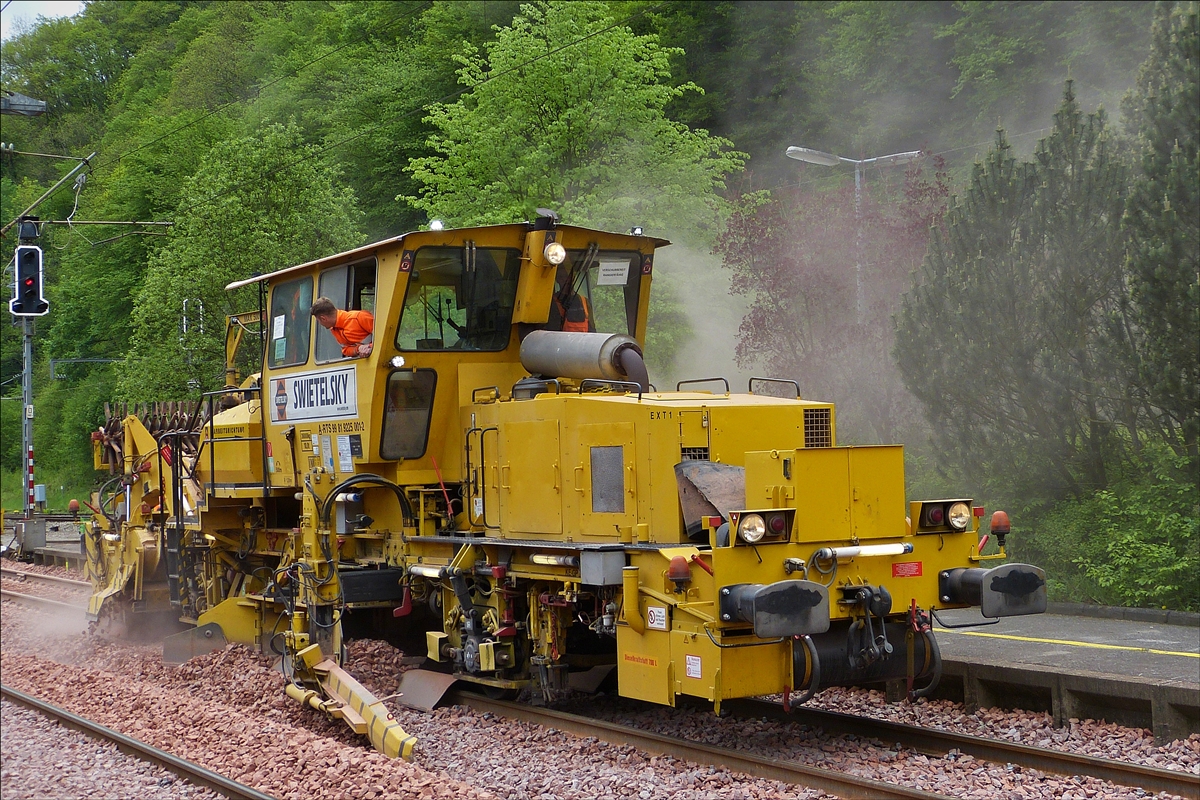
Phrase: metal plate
(589,680)
(423,689)
(1012,590)
(196,642)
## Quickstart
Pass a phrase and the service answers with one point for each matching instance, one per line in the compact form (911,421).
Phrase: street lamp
(830,160)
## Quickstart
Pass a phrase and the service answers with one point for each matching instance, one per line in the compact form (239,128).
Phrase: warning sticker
(906,569)
(345,456)
(693,666)
(656,617)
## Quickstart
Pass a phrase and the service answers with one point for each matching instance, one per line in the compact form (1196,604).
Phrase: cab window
(290,323)
(597,289)
(459,298)
(406,413)
(351,288)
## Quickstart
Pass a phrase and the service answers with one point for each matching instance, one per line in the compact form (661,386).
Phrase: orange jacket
(579,308)
(351,329)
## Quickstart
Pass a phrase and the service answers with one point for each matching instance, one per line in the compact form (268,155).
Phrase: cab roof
(366,248)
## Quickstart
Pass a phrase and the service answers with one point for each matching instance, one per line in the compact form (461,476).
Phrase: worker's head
(324,311)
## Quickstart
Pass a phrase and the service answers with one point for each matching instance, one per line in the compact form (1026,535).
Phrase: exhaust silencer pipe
(599,356)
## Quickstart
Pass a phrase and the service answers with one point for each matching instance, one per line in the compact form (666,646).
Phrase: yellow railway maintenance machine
(501,459)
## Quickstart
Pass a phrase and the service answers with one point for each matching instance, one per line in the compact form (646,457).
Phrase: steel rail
(44,601)
(192,772)
(939,742)
(843,785)
(37,576)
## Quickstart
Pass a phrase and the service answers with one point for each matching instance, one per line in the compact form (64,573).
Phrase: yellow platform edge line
(1093,645)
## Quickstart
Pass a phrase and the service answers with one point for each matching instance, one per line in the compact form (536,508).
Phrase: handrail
(483,482)
(635,387)
(174,533)
(750,384)
(210,397)
(679,385)
(475,392)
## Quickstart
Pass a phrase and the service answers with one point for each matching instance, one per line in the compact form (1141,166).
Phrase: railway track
(924,740)
(841,784)
(45,602)
(36,577)
(194,773)
(939,742)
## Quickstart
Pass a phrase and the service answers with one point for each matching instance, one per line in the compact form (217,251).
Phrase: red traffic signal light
(28,300)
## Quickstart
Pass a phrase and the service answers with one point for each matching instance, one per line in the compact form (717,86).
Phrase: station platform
(1129,671)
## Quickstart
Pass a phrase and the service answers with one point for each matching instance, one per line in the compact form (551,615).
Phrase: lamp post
(830,160)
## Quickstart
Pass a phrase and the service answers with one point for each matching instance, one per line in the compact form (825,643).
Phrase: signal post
(28,302)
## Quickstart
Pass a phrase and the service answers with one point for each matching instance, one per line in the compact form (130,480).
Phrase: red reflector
(977,511)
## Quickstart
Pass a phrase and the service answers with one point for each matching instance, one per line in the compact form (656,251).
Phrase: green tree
(256,204)
(1003,337)
(1163,222)
(1010,56)
(1136,543)
(565,110)
(376,99)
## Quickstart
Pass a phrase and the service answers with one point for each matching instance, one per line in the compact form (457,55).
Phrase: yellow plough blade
(350,702)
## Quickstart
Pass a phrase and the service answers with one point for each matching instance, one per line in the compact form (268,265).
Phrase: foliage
(1004,334)
(378,96)
(1163,223)
(580,129)
(860,77)
(255,205)
(793,253)
(1136,543)
(996,50)
(10,433)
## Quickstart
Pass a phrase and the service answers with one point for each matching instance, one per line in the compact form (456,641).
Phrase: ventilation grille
(693,454)
(818,427)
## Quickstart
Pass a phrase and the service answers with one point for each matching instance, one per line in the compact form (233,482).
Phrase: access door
(530,479)
(605,479)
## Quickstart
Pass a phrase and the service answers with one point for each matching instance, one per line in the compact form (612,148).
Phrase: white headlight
(397,361)
(555,253)
(436,225)
(751,528)
(959,516)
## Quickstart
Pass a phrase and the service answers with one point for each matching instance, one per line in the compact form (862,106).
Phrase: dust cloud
(701,286)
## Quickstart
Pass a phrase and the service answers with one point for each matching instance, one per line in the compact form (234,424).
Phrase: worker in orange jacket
(352,329)
(573,314)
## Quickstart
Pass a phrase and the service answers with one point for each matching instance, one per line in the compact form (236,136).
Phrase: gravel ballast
(227,711)
(41,759)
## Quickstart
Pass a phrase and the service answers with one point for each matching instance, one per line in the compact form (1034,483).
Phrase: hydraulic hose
(936,656)
(366,478)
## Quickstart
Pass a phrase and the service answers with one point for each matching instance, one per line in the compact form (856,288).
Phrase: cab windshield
(459,298)
(597,290)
